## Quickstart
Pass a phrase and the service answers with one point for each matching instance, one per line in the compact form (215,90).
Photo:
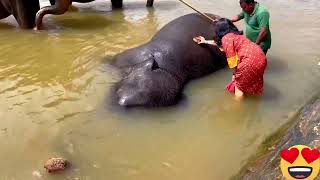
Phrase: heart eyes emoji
(291,155)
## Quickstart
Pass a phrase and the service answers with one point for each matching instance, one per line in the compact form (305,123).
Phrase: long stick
(197,10)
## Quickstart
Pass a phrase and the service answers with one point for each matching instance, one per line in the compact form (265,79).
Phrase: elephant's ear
(150,64)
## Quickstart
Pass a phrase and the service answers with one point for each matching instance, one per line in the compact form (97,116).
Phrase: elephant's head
(146,84)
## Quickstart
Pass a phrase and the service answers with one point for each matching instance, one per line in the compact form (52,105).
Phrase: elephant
(24,11)
(59,7)
(154,74)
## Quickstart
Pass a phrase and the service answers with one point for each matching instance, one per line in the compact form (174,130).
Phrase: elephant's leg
(149,3)
(82,1)
(60,7)
(116,3)
(3,12)
(52,2)
(25,12)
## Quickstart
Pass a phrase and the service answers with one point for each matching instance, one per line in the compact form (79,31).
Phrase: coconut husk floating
(56,164)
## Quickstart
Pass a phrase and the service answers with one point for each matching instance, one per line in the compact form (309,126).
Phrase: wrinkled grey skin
(155,73)
(59,7)
(24,11)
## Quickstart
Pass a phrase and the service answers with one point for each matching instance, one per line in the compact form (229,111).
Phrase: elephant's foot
(38,28)
(73,8)
(149,3)
(116,3)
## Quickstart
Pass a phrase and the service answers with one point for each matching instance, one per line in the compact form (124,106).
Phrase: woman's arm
(202,40)
(211,42)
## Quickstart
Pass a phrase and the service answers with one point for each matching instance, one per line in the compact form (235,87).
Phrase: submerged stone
(56,164)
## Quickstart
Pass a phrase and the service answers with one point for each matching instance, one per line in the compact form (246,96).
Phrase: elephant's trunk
(57,9)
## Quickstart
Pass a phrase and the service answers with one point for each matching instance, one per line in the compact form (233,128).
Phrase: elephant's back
(182,56)
(185,27)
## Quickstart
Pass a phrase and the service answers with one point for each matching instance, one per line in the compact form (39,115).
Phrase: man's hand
(199,39)
(262,35)
(235,18)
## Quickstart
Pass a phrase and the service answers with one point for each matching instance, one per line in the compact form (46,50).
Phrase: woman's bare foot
(238,94)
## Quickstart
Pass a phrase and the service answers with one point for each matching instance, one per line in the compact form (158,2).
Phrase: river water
(54,87)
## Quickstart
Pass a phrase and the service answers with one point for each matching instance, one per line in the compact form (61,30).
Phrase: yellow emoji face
(300,162)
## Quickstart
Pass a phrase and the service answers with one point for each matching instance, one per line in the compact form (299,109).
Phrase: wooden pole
(208,17)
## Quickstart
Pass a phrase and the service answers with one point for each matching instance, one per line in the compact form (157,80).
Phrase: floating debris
(56,164)
(167,164)
(37,174)
(96,166)
(271,148)
(251,169)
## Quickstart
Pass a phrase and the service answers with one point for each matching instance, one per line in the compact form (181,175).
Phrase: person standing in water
(256,18)
(245,57)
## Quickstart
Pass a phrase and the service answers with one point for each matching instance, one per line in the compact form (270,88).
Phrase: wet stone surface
(305,130)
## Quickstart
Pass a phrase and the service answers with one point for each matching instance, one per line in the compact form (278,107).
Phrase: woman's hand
(199,39)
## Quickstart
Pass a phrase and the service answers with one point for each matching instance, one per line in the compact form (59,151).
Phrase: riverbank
(304,128)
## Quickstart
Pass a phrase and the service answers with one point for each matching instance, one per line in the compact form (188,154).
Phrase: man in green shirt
(256,18)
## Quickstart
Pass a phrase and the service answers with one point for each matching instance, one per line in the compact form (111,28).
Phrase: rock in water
(56,164)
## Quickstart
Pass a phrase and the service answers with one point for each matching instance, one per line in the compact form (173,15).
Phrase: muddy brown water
(54,85)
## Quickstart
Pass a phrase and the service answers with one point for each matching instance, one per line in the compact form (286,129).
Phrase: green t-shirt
(254,22)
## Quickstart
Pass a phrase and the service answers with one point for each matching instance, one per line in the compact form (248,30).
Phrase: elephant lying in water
(61,6)
(155,73)
(24,11)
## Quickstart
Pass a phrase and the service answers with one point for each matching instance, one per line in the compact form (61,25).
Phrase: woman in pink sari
(245,57)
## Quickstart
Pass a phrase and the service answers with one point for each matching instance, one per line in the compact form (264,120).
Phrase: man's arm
(262,34)
(237,17)
(263,20)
